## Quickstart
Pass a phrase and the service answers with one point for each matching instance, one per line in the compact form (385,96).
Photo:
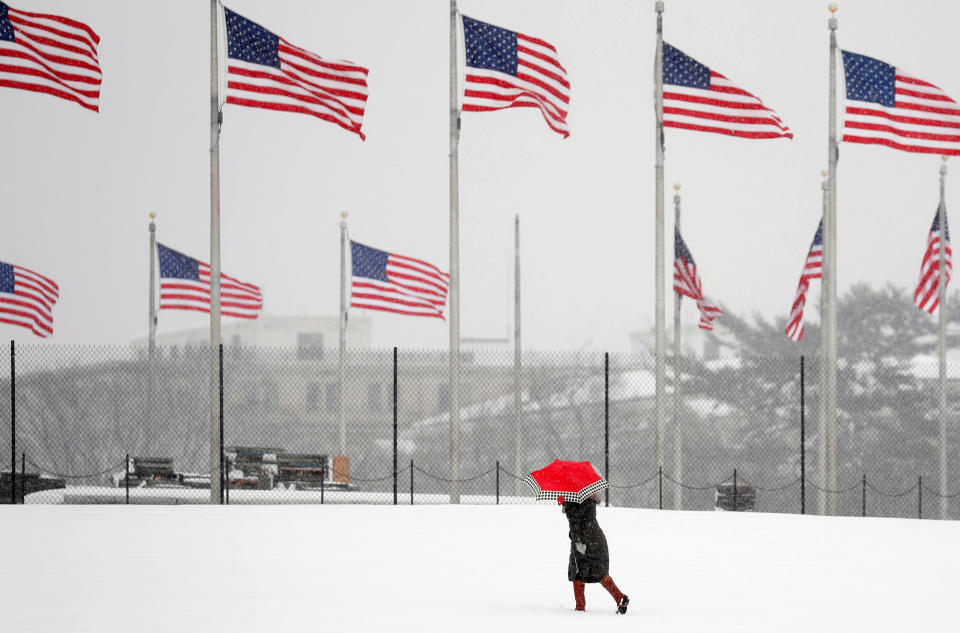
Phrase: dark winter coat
(589,558)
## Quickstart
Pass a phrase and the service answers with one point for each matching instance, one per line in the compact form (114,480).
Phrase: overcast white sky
(79,185)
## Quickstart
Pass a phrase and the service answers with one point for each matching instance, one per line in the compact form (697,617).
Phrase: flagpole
(343,332)
(151,339)
(822,435)
(517,401)
(677,375)
(942,341)
(830,274)
(215,496)
(454,266)
(661,318)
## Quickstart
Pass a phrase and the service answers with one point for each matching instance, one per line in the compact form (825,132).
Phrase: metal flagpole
(343,332)
(660,303)
(942,341)
(214,255)
(151,341)
(677,376)
(454,266)
(822,434)
(517,401)
(830,275)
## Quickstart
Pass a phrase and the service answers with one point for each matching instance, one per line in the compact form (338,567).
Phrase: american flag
(27,299)
(394,283)
(686,282)
(886,106)
(700,99)
(266,71)
(185,285)
(927,296)
(506,69)
(812,269)
(50,54)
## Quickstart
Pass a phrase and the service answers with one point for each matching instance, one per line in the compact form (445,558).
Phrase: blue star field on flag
(683,70)
(869,79)
(250,42)
(176,265)
(491,47)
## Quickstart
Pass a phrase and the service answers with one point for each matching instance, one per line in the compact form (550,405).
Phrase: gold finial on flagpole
(823,173)
(153,216)
(676,187)
(833,7)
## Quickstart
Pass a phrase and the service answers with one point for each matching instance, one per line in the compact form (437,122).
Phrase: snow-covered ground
(437,569)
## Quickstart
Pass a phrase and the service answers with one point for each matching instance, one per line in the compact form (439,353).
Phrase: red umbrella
(566,481)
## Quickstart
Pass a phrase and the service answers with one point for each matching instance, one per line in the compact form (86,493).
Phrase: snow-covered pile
(441,569)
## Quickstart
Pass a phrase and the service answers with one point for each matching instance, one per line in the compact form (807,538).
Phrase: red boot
(618,596)
(578,595)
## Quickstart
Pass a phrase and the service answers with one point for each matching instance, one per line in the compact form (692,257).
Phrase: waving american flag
(185,285)
(927,295)
(686,282)
(395,283)
(50,54)
(812,269)
(700,99)
(887,106)
(27,299)
(266,71)
(506,69)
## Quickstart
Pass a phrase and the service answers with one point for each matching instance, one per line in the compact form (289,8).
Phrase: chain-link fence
(302,425)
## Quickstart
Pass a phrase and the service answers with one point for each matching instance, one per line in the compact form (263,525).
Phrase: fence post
(606,425)
(222,477)
(734,489)
(498,482)
(23,478)
(394,426)
(126,476)
(323,477)
(803,444)
(920,497)
(660,478)
(411,482)
(13,424)
(863,511)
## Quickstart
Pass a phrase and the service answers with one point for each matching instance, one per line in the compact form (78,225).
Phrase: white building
(272,331)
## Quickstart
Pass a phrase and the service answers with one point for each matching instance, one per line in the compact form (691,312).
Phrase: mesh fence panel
(8,460)
(294,432)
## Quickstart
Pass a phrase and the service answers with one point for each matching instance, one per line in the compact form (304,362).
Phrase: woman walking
(589,557)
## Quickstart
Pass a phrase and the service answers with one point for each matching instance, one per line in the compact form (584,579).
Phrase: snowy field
(436,569)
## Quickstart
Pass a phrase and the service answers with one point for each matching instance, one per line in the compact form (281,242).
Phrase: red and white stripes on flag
(506,69)
(266,71)
(686,282)
(185,285)
(698,98)
(886,106)
(50,54)
(27,299)
(927,295)
(396,283)
(812,269)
